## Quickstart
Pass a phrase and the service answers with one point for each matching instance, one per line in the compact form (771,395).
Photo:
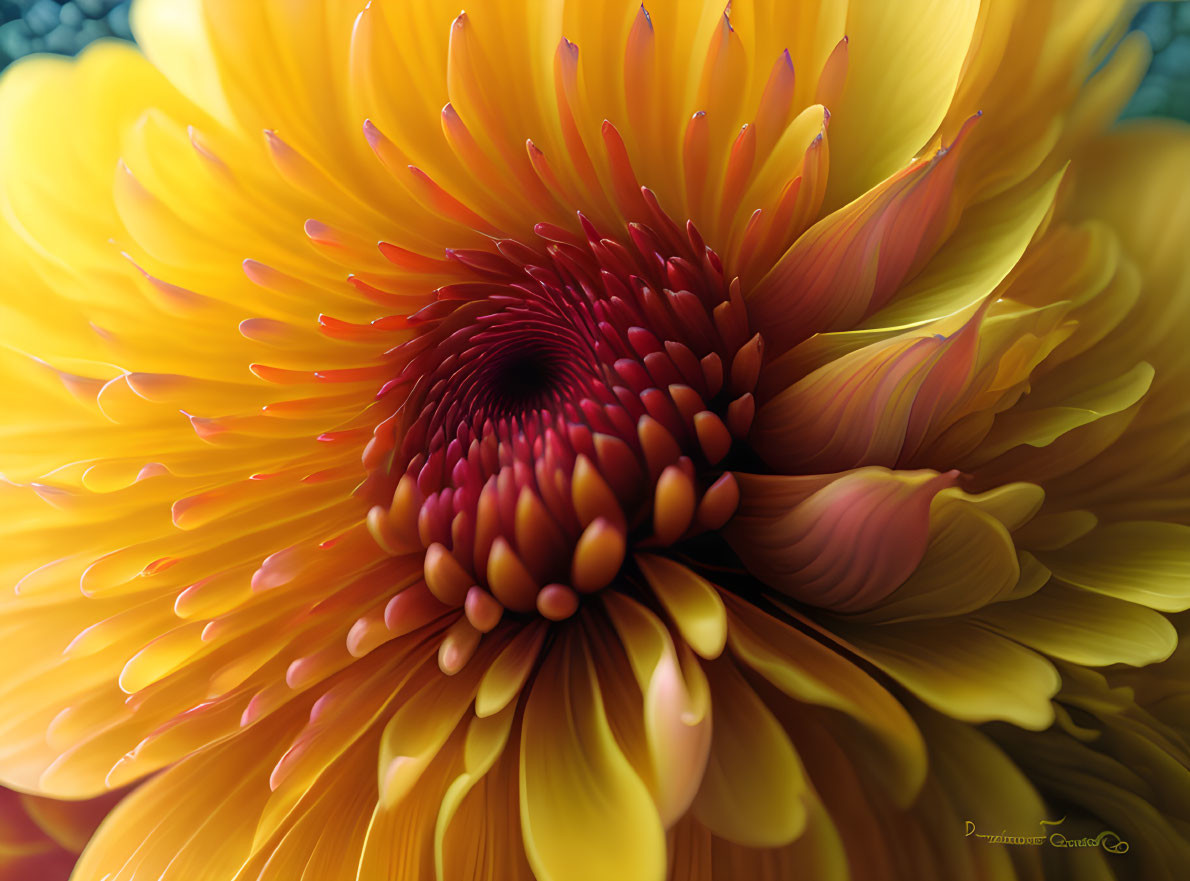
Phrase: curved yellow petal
(692,601)
(585,813)
(926,42)
(1143,562)
(1084,628)
(755,790)
(808,671)
(964,670)
(486,740)
(167,31)
(677,711)
(420,727)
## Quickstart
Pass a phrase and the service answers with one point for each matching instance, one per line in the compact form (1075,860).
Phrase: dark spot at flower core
(566,401)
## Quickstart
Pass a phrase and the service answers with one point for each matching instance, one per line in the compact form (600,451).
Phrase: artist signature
(1109,841)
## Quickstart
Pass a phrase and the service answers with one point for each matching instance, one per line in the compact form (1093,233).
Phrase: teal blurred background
(1165,90)
(61,26)
(65,26)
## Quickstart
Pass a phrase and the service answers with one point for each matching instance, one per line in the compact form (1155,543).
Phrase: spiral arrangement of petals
(571,441)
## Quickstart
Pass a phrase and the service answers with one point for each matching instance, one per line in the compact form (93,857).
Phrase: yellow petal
(507,675)
(486,739)
(692,601)
(963,670)
(154,833)
(1084,628)
(676,705)
(809,671)
(483,840)
(1142,562)
(399,842)
(755,790)
(882,118)
(1041,427)
(420,727)
(586,815)
(172,34)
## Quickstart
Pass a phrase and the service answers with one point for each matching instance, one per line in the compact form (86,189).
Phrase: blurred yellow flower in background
(578,441)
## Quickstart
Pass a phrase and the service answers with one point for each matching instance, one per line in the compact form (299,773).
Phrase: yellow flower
(743,442)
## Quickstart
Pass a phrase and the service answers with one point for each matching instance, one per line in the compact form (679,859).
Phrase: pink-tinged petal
(676,705)
(968,535)
(852,262)
(875,406)
(846,543)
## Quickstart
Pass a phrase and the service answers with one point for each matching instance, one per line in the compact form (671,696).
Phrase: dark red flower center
(570,399)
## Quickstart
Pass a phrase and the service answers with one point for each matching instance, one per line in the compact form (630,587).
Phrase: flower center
(564,401)
(523,380)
